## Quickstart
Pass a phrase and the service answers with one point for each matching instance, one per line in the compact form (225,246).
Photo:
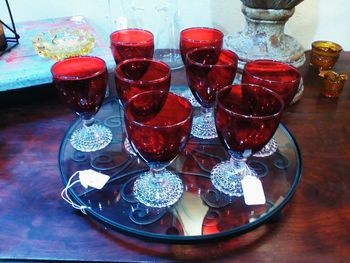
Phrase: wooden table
(37,225)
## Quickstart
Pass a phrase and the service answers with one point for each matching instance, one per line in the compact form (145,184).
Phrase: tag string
(65,196)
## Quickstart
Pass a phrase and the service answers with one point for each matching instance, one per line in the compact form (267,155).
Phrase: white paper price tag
(253,191)
(92,178)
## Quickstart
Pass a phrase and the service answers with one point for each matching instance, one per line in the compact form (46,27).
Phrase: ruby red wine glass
(131,43)
(208,70)
(137,75)
(280,77)
(246,117)
(197,37)
(81,83)
(158,125)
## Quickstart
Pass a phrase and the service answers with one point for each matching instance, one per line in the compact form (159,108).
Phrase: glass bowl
(63,42)
(324,54)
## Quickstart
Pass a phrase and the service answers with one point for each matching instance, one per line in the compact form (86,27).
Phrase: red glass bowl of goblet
(137,75)
(158,125)
(280,77)
(208,70)
(197,37)
(131,43)
(246,117)
(81,83)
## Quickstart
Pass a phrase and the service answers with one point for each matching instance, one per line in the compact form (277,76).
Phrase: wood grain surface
(37,225)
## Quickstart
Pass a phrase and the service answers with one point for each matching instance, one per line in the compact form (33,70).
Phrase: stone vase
(263,38)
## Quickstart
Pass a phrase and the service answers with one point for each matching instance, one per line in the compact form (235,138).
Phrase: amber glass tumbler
(324,54)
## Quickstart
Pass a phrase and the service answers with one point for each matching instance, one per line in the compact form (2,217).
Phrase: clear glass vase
(161,18)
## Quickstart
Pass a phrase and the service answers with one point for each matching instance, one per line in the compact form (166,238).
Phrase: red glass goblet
(158,124)
(208,70)
(131,43)
(280,77)
(137,75)
(197,37)
(246,117)
(81,83)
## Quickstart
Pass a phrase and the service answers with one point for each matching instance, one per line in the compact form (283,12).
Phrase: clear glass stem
(238,166)
(207,114)
(88,122)
(204,125)
(157,176)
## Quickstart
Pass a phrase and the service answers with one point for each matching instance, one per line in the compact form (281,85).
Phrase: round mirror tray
(203,213)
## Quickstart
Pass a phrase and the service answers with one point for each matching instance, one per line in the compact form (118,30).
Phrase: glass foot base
(204,129)
(227,181)
(165,192)
(269,149)
(187,94)
(90,139)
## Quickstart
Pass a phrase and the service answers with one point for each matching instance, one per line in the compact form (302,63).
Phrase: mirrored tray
(202,213)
